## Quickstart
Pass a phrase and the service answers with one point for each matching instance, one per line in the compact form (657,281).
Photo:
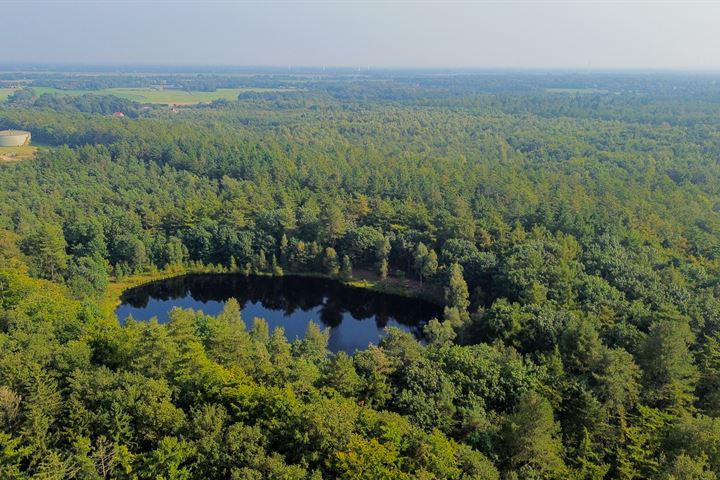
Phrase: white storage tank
(14,138)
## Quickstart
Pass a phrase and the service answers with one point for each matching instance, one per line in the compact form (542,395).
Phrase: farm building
(14,138)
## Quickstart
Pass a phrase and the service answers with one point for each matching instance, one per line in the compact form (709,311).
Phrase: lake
(356,316)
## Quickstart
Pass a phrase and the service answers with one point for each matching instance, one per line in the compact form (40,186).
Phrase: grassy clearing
(6,92)
(577,91)
(111,299)
(181,97)
(40,90)
(404,287)
(16,154)
(161,97)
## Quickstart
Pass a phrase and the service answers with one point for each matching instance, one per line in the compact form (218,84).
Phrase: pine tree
(346,271)
(260,331)
(340,374)
(261,263)
(382,251)
(430,265)
(45,248)
(276,268)
(383,269)
(314,346)
(709,385)
(637,453)
(456,293)
(589,464)
(533,440)
(669,372)
(330,261)
(421,253)
(439,333)
(284,251)
(280,355)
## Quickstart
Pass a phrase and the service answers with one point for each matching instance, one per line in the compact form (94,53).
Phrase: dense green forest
(571,222)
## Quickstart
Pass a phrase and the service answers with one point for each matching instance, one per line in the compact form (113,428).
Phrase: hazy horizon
(454,35)
(151,68)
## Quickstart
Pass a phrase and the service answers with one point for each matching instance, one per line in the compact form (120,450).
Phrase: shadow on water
(356,316)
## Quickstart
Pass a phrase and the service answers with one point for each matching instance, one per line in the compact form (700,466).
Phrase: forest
(571,224)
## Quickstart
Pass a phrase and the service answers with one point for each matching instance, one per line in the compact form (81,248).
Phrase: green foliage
(709,384)
(346,268)
(330,262)
(45,247)
(533,445)
(575,237)
(87,276)
(314,346)
(670,372)
(456,292)
(341,375)
(439,333)
(688,468)
(369,460)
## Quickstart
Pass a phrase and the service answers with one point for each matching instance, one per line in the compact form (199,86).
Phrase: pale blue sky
(371,33)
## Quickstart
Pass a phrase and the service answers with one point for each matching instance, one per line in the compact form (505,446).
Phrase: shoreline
(402,287)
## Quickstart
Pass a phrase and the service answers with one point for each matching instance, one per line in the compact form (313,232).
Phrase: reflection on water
(356,316)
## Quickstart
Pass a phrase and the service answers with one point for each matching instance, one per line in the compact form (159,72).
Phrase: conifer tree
(330,261)
(346,271)
(533,439)
(456,292)
(670,374)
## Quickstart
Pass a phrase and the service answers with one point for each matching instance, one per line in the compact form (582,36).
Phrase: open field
(577,91)
(6,92)
(150,95)
(15,154)
(40,90)
(180,97)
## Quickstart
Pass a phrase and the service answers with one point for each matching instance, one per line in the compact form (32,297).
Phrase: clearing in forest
(158,96)
(6,92)
(15,154)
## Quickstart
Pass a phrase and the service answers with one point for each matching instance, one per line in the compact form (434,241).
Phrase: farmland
(152,95)
(5,92)
(178,97)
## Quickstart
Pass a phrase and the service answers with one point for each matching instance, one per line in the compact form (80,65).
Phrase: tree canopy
(573,238)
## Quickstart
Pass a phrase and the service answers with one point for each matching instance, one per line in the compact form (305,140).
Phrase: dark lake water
(356,316)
